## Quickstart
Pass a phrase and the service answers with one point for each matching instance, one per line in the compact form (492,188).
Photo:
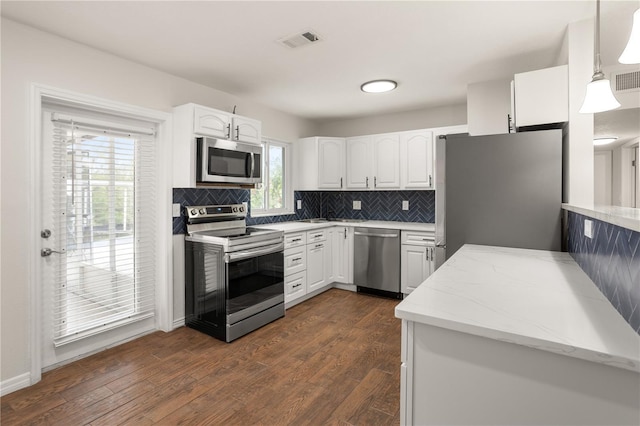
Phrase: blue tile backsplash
(375,205)
(612,260)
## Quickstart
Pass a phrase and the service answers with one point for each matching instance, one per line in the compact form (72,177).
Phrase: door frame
(164,269)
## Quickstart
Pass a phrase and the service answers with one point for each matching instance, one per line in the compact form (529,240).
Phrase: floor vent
(300,39)
(626,81)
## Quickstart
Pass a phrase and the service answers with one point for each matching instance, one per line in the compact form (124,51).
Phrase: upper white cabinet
(373,162)
(221,124)
(359,162)
(386,161)
(489,107)
(190,121)
(417,160)
(542,96)
(321,163)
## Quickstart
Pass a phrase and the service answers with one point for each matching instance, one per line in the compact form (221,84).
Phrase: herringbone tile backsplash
(612,260)
(375,205)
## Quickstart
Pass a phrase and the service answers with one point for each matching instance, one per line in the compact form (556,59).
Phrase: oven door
(225,161)
(255,281)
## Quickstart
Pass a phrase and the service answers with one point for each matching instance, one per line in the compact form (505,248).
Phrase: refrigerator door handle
(444,246)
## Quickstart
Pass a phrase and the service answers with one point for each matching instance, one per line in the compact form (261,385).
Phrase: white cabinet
(373,162)
(295,286)
(316,259)
(343,254)
(190,121)
(417,259)
(417,160)
(386,161)
(542,96)
(359,162)
(489,107)
(321,163)
(295,266)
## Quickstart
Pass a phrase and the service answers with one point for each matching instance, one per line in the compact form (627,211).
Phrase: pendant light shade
(631,53)
(599,96)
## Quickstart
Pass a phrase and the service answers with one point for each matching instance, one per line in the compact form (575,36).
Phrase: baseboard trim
(15,383)
(177,323)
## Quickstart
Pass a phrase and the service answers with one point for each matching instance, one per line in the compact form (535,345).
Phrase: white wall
(578,153)
(31,56)
(408,120)
(488,107)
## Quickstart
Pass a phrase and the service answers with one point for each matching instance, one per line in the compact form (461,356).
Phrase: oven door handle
(246,254)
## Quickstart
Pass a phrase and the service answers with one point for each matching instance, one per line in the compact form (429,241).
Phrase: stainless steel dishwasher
(377,261)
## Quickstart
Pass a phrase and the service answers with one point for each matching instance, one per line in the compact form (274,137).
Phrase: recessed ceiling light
(378,86)
(604,140)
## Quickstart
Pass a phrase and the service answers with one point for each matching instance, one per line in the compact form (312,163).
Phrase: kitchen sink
(315,220)
(348,220)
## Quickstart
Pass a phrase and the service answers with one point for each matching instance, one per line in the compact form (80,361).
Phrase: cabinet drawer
(418,238)
(295,286)
(295,240)
(295,260)
(316,236)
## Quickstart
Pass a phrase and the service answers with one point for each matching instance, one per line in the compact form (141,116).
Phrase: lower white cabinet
(417,259)
(343,254)
(316,265)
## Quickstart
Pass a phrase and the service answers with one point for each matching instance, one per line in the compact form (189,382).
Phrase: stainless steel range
(234,273)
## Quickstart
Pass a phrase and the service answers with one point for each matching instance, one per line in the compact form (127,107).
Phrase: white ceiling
(432,48)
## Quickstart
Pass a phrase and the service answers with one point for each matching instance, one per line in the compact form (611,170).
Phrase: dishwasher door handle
(377,235)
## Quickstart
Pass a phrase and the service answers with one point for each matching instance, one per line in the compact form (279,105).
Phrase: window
(274,197)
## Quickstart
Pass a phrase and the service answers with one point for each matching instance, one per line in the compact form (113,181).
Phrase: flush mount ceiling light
(631,53)
(378,86)
(599,96)
(605,140)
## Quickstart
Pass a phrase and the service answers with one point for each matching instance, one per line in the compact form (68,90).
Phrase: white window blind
(102,206)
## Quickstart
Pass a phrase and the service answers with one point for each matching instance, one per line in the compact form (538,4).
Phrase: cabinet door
(359,162)
(329,249)
(247,130)
(343,255)
(386,166)
(542,96)
(316,268)
(417,160)
(212,123)
(414,269)
(331,163)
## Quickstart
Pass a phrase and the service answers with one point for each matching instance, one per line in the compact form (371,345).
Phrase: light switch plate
(299,203)
(588,228)
(176,209)
(357,205)
(405,204)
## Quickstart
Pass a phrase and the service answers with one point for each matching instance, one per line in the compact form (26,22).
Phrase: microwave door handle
(253,165)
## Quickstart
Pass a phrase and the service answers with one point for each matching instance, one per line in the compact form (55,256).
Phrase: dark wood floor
(334,359)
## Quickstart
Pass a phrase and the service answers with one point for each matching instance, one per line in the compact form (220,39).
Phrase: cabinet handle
(340,182)
(297,285)
(319,245)
(367,184)
(375,182)
(237,133)
(229,131)
(296,259)
(430,184)
(295,240)
(317,236)
(345,233)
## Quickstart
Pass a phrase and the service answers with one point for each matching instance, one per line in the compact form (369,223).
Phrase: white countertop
(540,299)
(304,226)
(627,217)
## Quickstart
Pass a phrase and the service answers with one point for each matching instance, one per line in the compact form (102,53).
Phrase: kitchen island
(514,336)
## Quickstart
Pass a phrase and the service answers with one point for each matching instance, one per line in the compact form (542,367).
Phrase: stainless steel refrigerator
(501,190)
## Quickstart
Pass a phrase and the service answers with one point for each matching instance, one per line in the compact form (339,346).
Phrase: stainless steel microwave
(223,161)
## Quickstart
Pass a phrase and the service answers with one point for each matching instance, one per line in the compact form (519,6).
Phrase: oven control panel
(216,212)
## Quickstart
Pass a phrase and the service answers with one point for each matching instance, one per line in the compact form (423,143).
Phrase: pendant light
(599,96)
(631,53)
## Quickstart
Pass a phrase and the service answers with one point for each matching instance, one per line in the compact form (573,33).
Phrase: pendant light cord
(597,64)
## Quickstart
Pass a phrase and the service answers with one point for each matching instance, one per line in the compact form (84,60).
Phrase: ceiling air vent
(626,81)
(299,40)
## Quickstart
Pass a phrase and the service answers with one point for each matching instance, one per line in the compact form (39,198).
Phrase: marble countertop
(540,299)
(305,226)
(627,217)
